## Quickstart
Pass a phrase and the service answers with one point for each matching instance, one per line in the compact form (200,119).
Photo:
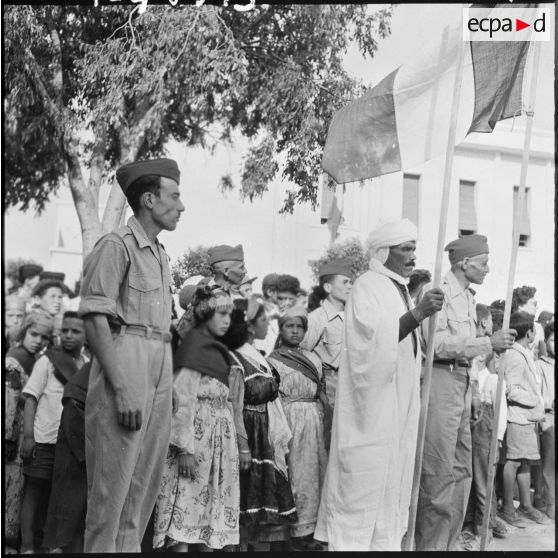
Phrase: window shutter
(467,212)
(410,208)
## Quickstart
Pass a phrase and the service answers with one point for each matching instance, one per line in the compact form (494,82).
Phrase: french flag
(404,120)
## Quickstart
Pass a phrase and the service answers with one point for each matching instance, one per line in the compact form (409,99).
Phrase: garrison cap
(335,267)
(467,247)
(28,270)
(270,280)
(126,174)
(52,276)
(224,253)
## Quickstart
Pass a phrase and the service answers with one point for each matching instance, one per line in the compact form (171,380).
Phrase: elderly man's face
(401,259)
(476,268)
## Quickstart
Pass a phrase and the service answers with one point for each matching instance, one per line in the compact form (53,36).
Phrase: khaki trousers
(447,461)
(124,467)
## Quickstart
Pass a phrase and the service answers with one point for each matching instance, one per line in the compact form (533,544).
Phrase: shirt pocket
(144,299)
(459,323)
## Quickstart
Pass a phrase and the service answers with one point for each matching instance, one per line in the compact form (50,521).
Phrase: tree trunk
(84,201)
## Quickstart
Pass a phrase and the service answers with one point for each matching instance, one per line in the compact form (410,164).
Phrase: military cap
(186,296)
(270,280)
(28,270)
(52,276)
(335,267)
(126,174)
(224,253)
(467,247)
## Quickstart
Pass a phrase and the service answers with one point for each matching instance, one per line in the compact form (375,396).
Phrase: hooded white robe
(367,490)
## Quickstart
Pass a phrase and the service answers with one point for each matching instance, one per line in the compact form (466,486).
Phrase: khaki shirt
(128,278)
(325,331)
(456,330)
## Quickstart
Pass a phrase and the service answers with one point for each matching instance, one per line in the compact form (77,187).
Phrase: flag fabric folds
(404,120)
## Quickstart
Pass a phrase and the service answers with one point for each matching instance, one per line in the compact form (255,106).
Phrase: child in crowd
(14,312)
(31,337)
(545,477)
(525,411)
(308,413)
(65,525)
(47,297)
(199,497)
(43,410)
(481,436)
(267,508)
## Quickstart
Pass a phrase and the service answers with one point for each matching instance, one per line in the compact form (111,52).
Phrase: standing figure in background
(447,467)
(325,323)
(309,415)
(267,508)
(269,290)
(198,502)
(47,297)
(419,278)
(525,412)
(41,420)
(545,474)
(65,525)
(14,312)
(31,338)
(227,265)
(367,489)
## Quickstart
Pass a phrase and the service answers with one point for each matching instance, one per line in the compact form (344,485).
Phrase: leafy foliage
(106,76)
(350,249)
(194,262)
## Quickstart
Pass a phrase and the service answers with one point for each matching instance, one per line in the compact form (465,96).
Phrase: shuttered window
(525,227)
(467,211)
(411,186)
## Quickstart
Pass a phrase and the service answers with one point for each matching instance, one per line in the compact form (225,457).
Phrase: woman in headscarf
(33,335)
(198,501)
(267,508)
(309,414)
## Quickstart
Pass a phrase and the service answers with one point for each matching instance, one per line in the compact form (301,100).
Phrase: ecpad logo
(506,24)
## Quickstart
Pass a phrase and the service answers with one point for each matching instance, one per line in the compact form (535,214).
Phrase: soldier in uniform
(454,395)
(126,303)
(227,265)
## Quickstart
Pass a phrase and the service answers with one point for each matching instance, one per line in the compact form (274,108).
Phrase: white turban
(390,233)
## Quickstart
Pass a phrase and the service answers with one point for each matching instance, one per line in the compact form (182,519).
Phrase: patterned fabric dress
(16,378)
(267,508)
(307,456)
(206,509)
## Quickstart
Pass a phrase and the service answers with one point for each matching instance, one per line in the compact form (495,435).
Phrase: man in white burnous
(367,489)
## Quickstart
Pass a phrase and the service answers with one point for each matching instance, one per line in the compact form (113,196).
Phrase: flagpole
(517,218)
(425,390)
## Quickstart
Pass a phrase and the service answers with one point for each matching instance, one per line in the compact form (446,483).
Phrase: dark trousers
(545,473)
(447,463)
(481,435)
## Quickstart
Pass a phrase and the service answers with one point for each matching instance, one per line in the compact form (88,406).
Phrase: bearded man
(367,490)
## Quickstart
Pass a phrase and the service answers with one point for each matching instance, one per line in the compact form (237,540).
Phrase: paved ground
(534,537)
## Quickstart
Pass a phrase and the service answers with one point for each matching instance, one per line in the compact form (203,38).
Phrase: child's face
(13,317)
(34,341)
(219,323)
(72,334)
(550,345)
(292,332)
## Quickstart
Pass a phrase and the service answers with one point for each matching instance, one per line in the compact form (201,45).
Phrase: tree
(351,250)
(95,87)
(194,262)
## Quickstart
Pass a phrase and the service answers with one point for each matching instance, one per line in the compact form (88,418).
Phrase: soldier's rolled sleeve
(104,271)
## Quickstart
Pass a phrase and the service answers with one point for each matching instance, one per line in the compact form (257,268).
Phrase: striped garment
(404,120)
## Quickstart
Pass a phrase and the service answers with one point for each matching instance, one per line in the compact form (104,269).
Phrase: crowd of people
(286,420)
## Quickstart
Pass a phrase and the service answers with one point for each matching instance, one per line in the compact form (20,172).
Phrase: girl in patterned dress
(198,501)
(267,508)
(308,412)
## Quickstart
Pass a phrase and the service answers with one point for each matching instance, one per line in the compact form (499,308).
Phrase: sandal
(499,530)
(512,518)
(533,514)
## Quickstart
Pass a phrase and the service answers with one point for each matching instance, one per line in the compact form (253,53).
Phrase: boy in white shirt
(41,419)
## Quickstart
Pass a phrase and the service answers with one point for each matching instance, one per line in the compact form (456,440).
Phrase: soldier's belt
(141,331)
(454,363)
